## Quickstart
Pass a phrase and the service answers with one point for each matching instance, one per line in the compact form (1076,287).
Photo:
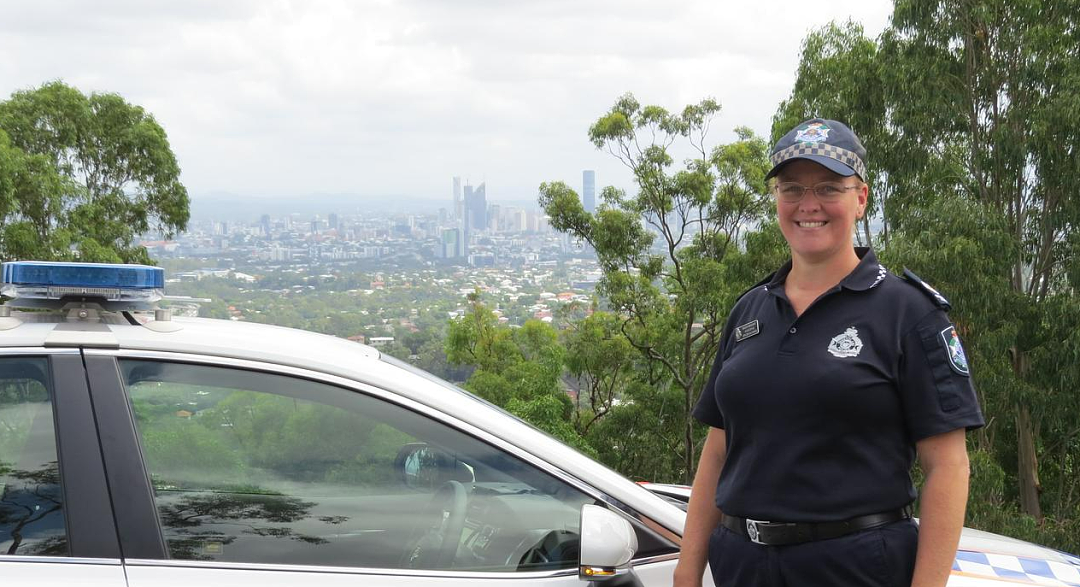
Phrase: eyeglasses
(791,192)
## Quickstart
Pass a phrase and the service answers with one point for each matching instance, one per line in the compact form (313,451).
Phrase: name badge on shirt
(747,330)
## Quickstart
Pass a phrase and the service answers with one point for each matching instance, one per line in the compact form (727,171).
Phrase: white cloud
(382,97)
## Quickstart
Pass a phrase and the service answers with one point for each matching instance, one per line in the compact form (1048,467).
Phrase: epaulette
(926,289)
(756,285)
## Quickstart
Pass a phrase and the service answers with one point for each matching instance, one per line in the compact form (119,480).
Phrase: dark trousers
(878,557)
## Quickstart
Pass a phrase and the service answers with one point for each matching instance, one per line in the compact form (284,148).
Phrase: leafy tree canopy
(674,254)
(82,176)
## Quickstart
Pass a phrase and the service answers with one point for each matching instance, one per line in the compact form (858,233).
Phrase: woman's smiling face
(817,231)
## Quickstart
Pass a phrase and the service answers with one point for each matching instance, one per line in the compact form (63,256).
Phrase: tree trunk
(688,438)
(1028,464)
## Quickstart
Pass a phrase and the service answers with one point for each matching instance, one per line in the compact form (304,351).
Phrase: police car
(142,449)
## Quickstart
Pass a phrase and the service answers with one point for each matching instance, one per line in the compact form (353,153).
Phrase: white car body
(342,363)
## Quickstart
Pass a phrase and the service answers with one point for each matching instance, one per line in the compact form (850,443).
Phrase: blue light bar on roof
(83,275)
(45,280)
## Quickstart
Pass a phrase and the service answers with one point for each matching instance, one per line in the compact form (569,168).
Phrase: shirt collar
(868,274)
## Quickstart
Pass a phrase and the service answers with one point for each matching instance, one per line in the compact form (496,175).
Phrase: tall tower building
(588,190)
(457,198)
(451,243)
(466,221)
(479,207)
(494,217)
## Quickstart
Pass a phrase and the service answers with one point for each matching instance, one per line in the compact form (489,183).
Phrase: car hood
(986,542)
(983,555)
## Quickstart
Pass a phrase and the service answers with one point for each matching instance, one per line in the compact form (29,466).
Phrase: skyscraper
(451,243)
(588,190)
(466,221)
(479,207)
(457,198)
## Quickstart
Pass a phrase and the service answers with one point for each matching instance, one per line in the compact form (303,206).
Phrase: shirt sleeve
(935,380)
(707,411)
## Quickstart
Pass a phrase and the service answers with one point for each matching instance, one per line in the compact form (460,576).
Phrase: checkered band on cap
(832,152)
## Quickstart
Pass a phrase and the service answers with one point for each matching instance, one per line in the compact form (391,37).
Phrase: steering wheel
(434,545)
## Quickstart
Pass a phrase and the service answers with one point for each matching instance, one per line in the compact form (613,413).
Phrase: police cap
(826,142)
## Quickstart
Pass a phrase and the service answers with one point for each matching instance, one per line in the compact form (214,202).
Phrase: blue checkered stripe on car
(1017,568)
(832,152)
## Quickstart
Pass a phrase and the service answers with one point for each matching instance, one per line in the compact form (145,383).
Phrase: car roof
(302,349)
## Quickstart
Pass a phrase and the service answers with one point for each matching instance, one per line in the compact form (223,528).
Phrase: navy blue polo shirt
(821,412)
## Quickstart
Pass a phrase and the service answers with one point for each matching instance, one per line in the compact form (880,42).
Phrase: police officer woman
(832,376)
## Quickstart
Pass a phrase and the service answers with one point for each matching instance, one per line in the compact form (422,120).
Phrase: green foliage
(82,176)
(673,255)
(476,340)
(517,369)
(602,361)
(641,437)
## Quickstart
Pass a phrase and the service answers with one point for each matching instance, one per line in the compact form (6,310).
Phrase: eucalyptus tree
(516,369)
(1004,109)
(93,173)
(670,252)
(603,363)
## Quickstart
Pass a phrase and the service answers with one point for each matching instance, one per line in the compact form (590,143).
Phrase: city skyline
(509,235)
(387,99)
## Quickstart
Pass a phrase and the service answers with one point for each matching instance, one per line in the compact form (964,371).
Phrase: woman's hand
(686,577)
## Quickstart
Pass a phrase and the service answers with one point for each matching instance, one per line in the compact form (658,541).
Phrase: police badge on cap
(826,142)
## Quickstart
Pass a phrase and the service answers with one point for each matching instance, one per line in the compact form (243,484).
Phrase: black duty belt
(781,533)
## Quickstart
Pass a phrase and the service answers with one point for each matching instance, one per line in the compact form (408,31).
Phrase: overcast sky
(277,98)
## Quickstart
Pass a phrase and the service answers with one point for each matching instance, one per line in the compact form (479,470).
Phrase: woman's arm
(944,460)
(702,516)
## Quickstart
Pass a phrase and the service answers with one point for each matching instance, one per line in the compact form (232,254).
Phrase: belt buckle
(752,531)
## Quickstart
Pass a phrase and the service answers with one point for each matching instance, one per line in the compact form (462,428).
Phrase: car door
(56,525)
(235,473)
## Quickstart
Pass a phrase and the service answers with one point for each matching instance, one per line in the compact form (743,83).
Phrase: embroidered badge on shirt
(847,344)
(957,357)
(747,330)
(813,133)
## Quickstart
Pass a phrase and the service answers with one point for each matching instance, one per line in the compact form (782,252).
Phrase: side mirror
(608,542)
(425,468)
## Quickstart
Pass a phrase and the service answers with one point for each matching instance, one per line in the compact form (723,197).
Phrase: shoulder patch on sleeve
(932,293)
(957,357)
(757,285)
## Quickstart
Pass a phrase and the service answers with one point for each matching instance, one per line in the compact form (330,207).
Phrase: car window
(31,502)
(259,468)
